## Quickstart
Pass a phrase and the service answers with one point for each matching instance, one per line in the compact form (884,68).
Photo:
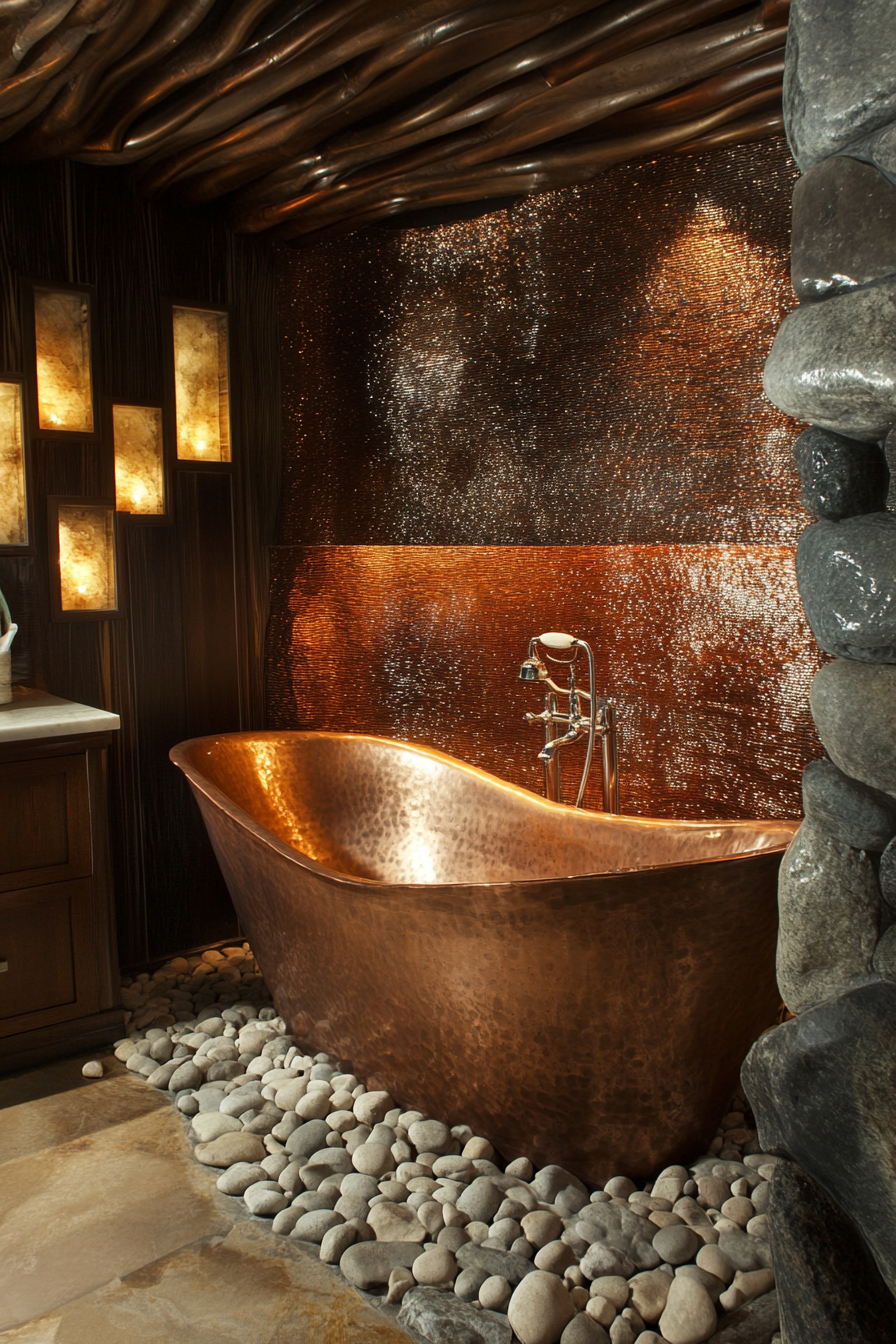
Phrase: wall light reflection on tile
(139,461)
(705,650)
(13,513)
(87,557)
(201,385)
(62,345)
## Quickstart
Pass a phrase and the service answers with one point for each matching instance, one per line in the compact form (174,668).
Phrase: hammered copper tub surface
(578,988)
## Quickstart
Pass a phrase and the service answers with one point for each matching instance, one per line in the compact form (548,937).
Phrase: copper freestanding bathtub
(579,988)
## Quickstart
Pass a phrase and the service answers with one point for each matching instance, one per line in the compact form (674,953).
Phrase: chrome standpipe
(598,721)
(552,762)
(609,751)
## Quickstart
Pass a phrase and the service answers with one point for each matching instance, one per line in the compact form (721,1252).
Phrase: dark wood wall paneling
(186,658)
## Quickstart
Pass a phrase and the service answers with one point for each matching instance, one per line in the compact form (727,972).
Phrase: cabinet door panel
(45,944)
(44,822)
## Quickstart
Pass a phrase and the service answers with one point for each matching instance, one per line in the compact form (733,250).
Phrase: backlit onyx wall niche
(184,658)
(559,408)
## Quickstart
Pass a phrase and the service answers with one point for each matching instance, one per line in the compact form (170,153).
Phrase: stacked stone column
(823,1085)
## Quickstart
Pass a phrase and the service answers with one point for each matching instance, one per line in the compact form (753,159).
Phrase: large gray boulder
(840,477)
(854,708)
(844,228)
(834,363)
(851,812)
(829,913)
(846,573)
(840,79)
(822,1088)
(830,1288)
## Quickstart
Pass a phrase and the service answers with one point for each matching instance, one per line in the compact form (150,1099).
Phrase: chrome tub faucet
(597,718)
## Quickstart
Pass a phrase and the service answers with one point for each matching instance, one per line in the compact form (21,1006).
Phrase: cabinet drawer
(44,822)
(46,945)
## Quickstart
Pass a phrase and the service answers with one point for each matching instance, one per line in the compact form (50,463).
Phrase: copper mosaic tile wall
(584,367)
(705,649)
(553,417)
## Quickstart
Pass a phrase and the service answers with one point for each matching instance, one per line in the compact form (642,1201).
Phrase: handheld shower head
(533,669)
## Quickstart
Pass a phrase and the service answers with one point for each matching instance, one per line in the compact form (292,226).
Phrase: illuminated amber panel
(139,460)
(13,513)
(201,388)
(62,341)
(704,648)
(87,557)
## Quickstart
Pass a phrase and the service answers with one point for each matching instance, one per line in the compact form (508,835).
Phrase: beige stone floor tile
(56,1104)
(249,1287)
(75,1216)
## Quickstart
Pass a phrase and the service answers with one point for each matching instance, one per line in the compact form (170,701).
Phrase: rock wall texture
(822,1085)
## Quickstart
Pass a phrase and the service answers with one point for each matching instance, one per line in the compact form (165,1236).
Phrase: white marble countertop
(33,714)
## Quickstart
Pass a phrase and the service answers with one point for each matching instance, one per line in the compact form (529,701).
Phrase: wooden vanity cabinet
(59,984)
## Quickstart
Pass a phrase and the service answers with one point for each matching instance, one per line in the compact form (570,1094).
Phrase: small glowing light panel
(62,342)
(87,557)
(13,513)
(139,463)
(201,387)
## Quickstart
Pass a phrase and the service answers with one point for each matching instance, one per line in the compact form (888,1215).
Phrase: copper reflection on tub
(478,952)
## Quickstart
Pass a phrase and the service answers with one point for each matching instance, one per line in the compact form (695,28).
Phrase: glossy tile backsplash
(705,649)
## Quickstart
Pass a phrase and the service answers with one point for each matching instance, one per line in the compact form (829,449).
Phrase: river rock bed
(426,1215)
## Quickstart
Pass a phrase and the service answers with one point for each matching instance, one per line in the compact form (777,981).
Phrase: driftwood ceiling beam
(308,118)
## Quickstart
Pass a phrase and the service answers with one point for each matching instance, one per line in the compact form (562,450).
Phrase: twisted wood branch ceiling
(314,117)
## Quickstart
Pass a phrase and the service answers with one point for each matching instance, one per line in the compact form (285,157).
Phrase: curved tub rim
(179,755)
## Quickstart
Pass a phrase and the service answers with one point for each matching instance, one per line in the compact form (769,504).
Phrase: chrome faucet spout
(550,749)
